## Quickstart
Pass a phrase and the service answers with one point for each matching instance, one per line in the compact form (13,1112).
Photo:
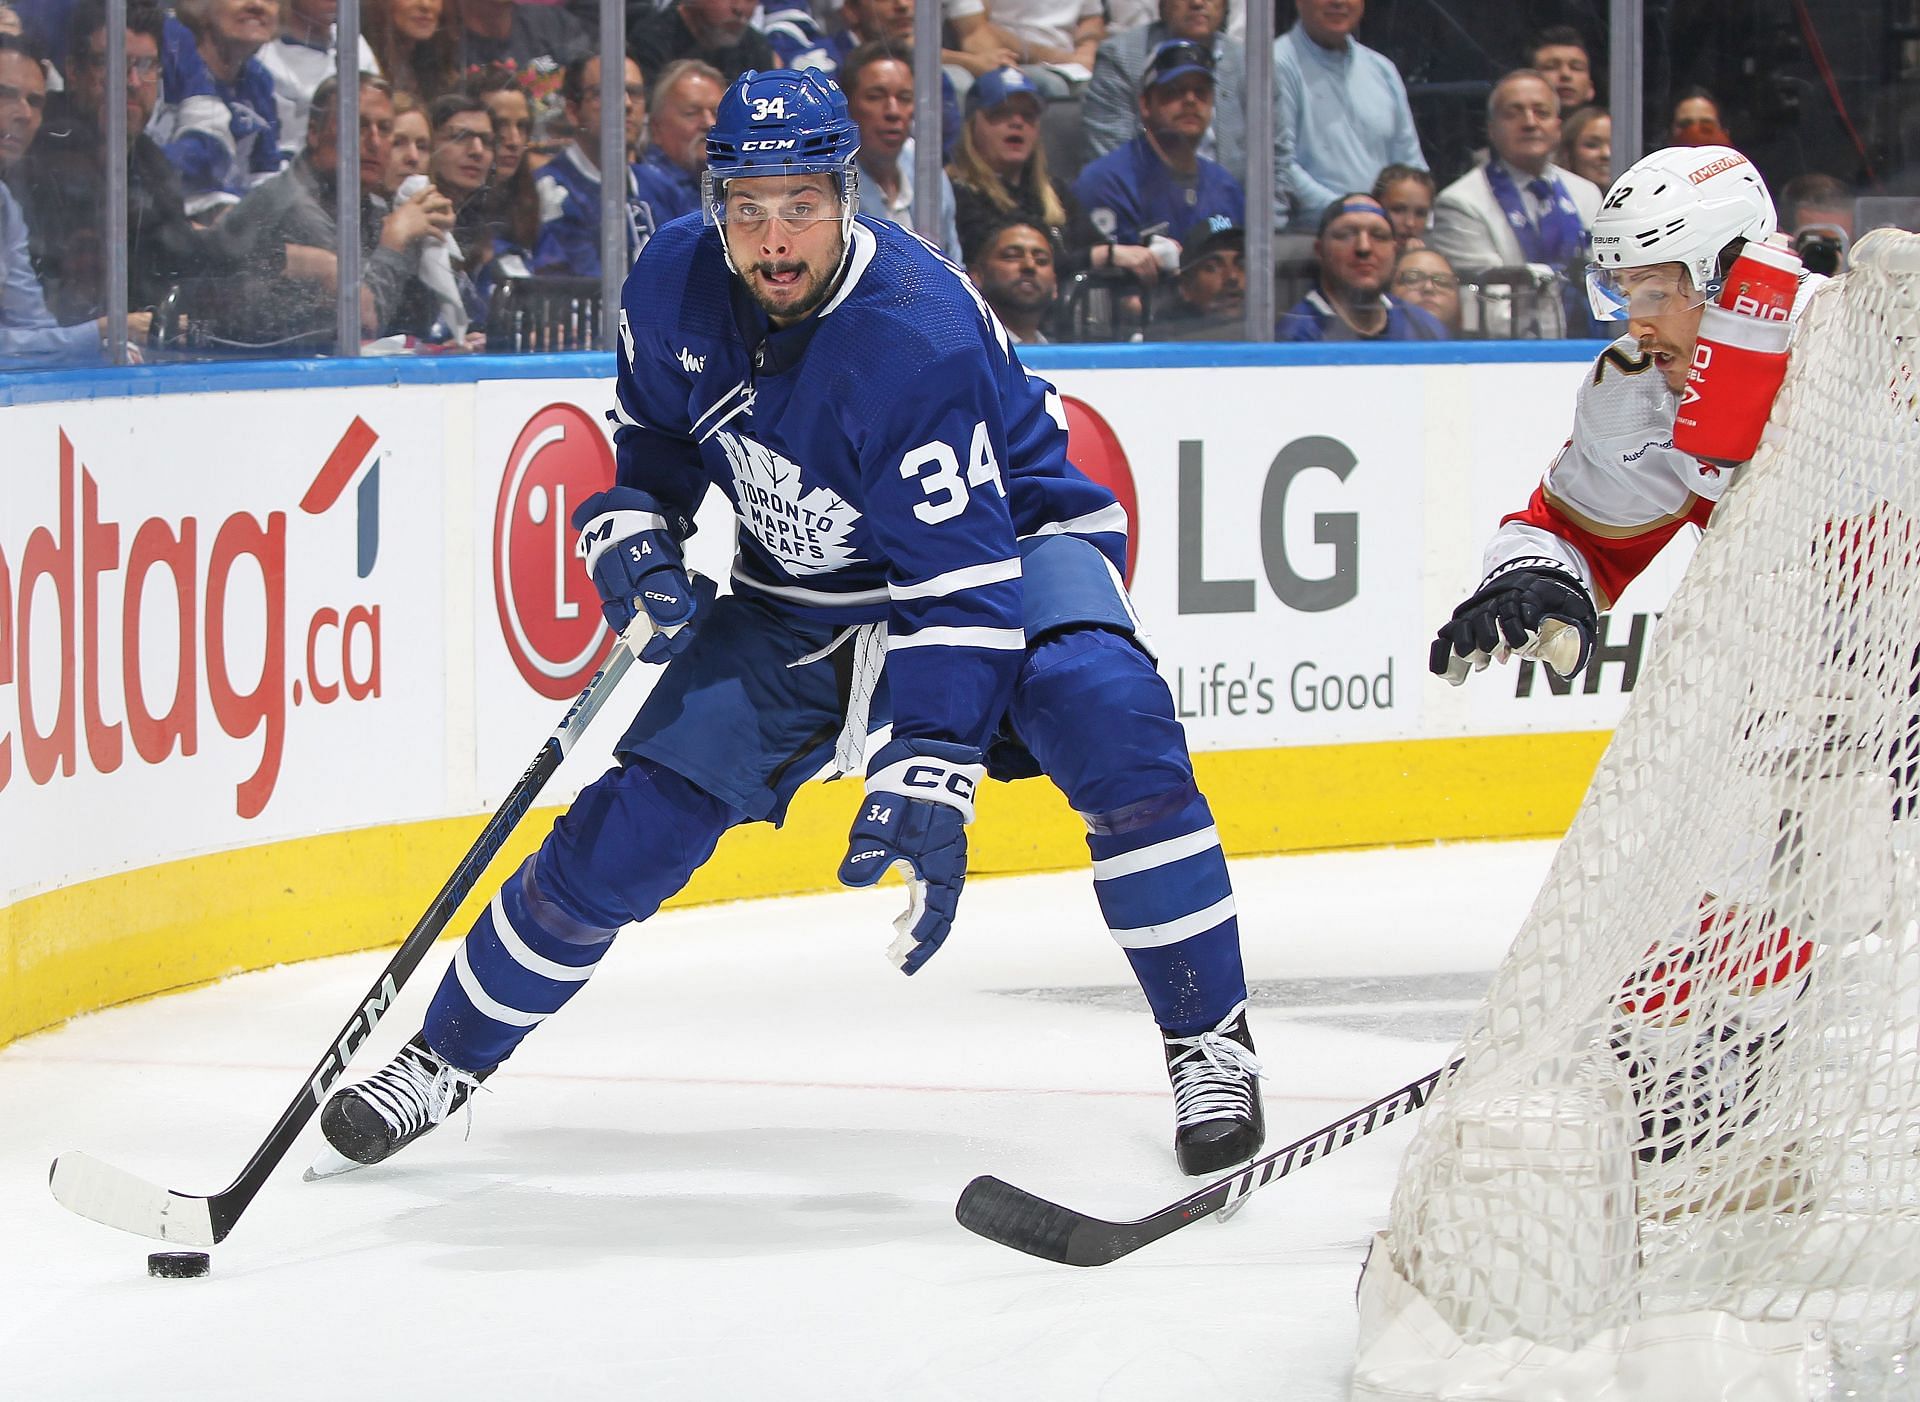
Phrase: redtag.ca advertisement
(220,623)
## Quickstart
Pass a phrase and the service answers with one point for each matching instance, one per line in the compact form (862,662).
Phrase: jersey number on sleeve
(937,467)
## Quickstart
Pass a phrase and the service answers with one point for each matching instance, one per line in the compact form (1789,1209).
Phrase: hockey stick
(91,1188)
(1014,1217)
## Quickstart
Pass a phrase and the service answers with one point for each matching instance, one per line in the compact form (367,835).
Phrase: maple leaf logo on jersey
(805,529)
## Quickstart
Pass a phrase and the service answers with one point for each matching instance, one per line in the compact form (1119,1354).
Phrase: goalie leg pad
(1100,721)
(630,840)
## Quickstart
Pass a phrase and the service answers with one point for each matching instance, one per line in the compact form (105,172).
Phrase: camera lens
(1819,252)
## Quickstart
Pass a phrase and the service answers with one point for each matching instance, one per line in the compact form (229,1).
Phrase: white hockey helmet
(1681,205)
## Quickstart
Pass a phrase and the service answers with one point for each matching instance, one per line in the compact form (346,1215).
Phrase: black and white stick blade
(1014,1217)
(84,1185)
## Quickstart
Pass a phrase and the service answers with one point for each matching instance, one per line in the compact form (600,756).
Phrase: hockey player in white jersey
(1668,233)
(1619,490)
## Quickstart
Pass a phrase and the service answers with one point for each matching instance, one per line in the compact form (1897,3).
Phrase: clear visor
(794,200)
(1616,294)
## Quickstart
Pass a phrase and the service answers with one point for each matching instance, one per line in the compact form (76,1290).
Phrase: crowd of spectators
(1090,150)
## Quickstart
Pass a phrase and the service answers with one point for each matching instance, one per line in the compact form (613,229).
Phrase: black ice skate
(1217,1120)
(376,1118)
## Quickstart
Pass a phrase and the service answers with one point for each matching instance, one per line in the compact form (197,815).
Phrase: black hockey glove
(1516,611)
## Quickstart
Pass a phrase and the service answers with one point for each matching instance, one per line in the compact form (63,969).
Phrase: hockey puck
(179,1265)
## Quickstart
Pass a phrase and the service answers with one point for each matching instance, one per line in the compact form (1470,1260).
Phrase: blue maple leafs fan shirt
(885,457)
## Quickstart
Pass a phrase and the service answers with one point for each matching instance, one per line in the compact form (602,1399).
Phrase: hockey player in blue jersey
(925,591)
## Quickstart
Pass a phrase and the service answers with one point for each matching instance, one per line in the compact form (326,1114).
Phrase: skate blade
(330,1164)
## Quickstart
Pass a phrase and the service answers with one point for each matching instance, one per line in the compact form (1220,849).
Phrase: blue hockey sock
(1161,880)
(522,961)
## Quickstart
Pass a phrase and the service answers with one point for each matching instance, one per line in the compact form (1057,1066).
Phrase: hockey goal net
(1682,1151)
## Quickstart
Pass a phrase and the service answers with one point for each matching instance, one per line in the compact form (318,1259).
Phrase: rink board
(272,637)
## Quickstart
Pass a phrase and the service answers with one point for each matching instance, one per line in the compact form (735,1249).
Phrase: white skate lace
(415,1091)
(1212,1075)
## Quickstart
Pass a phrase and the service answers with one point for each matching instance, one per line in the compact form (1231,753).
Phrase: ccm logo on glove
(929,776)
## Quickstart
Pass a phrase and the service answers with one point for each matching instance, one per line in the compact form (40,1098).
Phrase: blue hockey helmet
(785,122)
(788,122)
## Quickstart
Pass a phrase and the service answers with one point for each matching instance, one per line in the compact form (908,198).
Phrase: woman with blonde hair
(1000,168)
(1586,145)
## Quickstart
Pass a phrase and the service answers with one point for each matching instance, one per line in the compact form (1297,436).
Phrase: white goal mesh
(1689,1109)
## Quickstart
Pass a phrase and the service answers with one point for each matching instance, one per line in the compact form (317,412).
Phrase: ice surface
(728,1170)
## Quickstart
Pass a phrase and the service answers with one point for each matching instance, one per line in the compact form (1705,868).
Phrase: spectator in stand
(1424,279)
(1406,193)
(537,41)
(283,233)
(1340,113)
(29,334)
(415,44)
(444,301)
(1158,183)
(878,81)
(1521,208)
(717,32)
(218,120)
(795,36)
(1056,41)
(23,98)
(1209,301)
(1355,249)
(10,22)
(1560,56)
(1000,171)
(570,185)
(511,205)
(1696,120)
(1817,210)
(685,98)
(1586,145)
(412,140)
(298,59)
(1110,107)
(61,182)
(1014,268)
(867,20)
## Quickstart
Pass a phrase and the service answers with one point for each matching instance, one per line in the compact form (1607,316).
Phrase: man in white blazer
(1520,207)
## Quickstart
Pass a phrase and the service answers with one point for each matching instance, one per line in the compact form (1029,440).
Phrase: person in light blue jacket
(1340,113)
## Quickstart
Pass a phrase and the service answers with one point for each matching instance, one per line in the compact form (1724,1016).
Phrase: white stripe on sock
(533,963)
(1160,854)
(1186,927)
(480,998)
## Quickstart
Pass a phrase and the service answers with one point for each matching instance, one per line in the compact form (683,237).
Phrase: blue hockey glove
(630,543)
(1534,608)
(915,815)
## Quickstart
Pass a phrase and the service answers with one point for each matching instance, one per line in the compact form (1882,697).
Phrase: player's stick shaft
(93,1189)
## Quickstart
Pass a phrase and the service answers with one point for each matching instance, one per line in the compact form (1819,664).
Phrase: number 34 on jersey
(937,467)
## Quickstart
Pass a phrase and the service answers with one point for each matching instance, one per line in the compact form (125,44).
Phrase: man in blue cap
(1159,184)
(1356,250)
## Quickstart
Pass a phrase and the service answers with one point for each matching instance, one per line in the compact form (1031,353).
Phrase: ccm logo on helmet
(766,145)
(927,776)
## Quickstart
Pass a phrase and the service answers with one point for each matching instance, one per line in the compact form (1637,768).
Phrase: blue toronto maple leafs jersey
(885,457)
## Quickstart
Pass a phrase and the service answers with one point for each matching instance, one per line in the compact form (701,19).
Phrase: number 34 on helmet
(783,123)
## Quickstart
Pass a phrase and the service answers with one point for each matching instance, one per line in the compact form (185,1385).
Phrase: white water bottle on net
(1681,1158)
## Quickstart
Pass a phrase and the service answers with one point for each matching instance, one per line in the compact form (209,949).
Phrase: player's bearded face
(1663,315)
(783,233)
